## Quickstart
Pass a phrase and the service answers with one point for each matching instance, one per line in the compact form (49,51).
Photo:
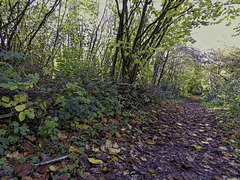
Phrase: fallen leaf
(115,145)
(88,176)
(110,176)
(23,169)
(197,147)
(223,148)
(53,168)
(103,148)
(108,144)
(15,155)
(95,149)
(153,171)
(143,158)
(27,178)
(118,135)
(224,169)
(114,151)
(62,177)
(31,138)
(27,146)
(104,169)
(190,158)
(150,142)
(95,161)
(205,142)
(126,172)
(201,130)
(101,156)
(114,159)
(42,169)
(129,126)
(61,135)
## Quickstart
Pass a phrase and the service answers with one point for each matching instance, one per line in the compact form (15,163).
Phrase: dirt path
(183,142)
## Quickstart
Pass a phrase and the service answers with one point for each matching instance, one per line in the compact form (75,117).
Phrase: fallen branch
(53,160)
(7,115)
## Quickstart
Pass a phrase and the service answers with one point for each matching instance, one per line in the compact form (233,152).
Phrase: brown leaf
(15,155)
(42,169)
(61,135)
(26,178)
(153,171)
(23,169)
(27,146)
(110,176)
(88,176)
(101,156)
(62,177)
(190,158)
(84,162)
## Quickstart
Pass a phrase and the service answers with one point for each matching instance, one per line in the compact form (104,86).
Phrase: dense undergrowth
(45,113)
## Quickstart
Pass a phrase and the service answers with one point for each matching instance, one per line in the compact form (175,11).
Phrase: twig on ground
(53,160)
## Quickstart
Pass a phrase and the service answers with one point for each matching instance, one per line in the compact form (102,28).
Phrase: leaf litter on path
(170,141)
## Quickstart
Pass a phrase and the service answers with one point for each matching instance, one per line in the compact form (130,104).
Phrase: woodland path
(183,142)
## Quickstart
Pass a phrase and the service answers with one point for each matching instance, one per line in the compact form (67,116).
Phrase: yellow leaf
(16,155)
(20,107)
(104,169)
(114,159)
(104,120)
(118,135)
(53,168)
(126,172)
(201,130)
(197,147)
(143,158)
(150,142)
(31,138)
(95,161)
(114,151)
(95,149)
(108,144)
(115,145)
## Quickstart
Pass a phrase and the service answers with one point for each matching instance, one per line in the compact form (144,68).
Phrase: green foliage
(225,81)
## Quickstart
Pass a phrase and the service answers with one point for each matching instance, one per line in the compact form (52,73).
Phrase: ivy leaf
(50,124)
(4,85)
(12,85)
(20,107)
(5,99)
(21,116)
(30,113)
(23,130)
